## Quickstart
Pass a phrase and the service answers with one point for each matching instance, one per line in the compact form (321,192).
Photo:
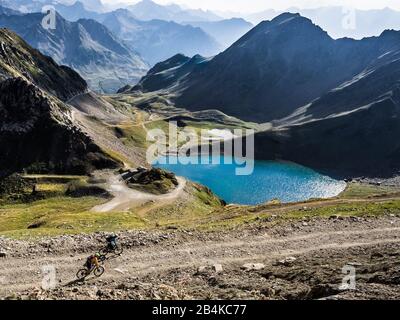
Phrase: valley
(74,167)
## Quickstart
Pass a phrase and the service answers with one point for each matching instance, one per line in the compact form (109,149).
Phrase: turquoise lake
(285,181)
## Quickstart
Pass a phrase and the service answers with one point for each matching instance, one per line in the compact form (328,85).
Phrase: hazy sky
(259,5)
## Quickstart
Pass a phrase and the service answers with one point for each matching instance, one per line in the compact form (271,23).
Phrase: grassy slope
(59,214)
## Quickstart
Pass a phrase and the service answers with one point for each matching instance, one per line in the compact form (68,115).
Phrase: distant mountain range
(159,36)
(28,6)
(86,46)
(149,10)
(157,40)
(338,21)
(226,32)
(157,32)
(341,21)
(7,11)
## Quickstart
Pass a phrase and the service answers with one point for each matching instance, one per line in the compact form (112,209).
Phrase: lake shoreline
(285,181)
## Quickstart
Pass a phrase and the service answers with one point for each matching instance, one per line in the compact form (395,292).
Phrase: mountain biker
(92,261)
(112,241)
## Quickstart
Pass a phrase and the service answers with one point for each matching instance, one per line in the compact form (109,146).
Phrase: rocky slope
(86,46)
(37,133)
(37,130)
(18,59)
(164,74)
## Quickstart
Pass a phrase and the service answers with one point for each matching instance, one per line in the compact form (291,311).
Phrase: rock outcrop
(18,59)
(155,180)
(37,133)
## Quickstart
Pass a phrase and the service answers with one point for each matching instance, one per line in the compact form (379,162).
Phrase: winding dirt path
(126,198)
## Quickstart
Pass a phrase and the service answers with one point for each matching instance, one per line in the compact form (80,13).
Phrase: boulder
(287,261)
(202,270)
(217,268)
(253,266)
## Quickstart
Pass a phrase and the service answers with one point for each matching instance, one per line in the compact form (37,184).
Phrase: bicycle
(117,250)
(83,273)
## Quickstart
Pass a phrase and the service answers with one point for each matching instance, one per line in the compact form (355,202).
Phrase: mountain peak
(147,3)
(78,5)
(292,25)
(286,16)
(292,19)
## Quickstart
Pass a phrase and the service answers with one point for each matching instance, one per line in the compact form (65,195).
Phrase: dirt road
(153,262)
(126,198)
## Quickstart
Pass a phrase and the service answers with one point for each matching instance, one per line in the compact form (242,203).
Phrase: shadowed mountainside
(350,130)
(37,130)
(20,60)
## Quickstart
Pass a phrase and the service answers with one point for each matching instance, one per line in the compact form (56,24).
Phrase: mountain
(37,128)
(20,60)
(92,5)
(76,12)
(149,10)
(366,23)
(348,131)
(29,6)
(157,40)
(7,11)
(26,6)
(258,17)
(154,40)
(86,45)
(165,74)
(277,67)
(226,32)
(342,22)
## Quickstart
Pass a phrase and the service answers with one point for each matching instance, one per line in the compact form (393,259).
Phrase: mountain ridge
(37,128)
(155,39)
(86,45)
